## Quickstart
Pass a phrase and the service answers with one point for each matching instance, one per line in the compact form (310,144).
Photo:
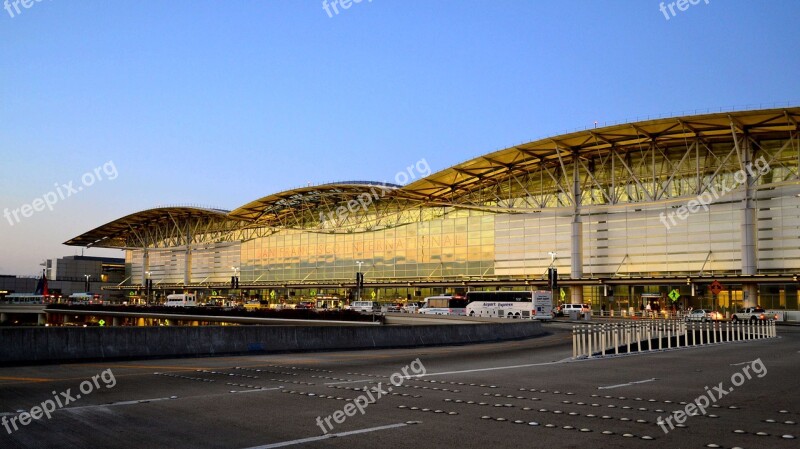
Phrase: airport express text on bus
(537,305)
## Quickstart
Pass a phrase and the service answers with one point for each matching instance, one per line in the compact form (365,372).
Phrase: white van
(365,306)
(181,300)
(580,308)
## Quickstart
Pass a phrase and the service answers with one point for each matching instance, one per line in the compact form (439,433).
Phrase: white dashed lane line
(330,435)
(627,384)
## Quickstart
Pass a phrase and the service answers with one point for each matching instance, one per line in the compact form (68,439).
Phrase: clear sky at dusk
(220,103)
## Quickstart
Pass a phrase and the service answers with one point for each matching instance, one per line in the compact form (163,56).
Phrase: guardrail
(600,340)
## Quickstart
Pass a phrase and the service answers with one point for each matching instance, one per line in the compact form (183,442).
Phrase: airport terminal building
(665,207)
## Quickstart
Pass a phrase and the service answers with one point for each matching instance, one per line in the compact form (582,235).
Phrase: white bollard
(639,338)
(628,336)
(702,326)
(602,340)
(714,330)
(574,343)
(616,338)
(669,334)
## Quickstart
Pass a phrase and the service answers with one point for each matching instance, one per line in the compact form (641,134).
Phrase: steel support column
(748,225)
(576,241)
(187,272)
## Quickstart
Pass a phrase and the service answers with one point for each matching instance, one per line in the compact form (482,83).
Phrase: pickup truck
(752,314)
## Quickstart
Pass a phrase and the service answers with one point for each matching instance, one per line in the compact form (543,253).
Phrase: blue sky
(220,103)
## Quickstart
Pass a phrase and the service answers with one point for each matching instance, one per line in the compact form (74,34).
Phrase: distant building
(75,268)
(68,275)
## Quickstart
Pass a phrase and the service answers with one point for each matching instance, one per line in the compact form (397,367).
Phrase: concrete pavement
(471,396)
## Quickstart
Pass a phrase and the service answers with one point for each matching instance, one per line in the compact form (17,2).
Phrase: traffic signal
(234,282)
(359,280)
(552,278)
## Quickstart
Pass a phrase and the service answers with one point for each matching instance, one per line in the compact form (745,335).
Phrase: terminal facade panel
(621,211)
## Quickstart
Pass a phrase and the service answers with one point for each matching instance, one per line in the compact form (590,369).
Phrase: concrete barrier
(59,344)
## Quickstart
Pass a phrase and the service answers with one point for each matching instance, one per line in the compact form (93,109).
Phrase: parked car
(394,307)
(704,315)
(411,307)
(304,305)
(365,306)
(753,314)
(566,308)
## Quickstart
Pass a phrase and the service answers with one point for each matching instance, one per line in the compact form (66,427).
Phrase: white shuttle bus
(25,298)
(181,300)
(85,298)
(444,305)
(536,305)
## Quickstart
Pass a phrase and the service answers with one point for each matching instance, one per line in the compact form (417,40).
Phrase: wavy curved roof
(112,234)
(500,165)
(295,201)
(446,186)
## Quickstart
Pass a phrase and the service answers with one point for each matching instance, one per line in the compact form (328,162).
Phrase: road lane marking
(494,368)
(113,404)
(256,390)
(350,382)
(165,368)
(743,363)
(26,379)
(330,435)
(627,384)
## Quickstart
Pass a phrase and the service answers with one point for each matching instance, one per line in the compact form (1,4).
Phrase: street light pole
(148,287)
(358,276)
(235,280)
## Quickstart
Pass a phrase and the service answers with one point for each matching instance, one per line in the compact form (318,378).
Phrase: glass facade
(456,247)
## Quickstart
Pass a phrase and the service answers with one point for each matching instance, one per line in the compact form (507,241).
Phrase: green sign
(674,295)
(373,294)
(272,294)
(563,294)
(313,293)
(102,322)
(213,293)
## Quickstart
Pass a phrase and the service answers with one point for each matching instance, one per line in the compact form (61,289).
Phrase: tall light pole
(358,280)
(235,278)
(148,287)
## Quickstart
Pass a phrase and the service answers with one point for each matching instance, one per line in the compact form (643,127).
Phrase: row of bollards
(599,340)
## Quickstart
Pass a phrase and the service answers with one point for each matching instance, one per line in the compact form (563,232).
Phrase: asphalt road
(512,394)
